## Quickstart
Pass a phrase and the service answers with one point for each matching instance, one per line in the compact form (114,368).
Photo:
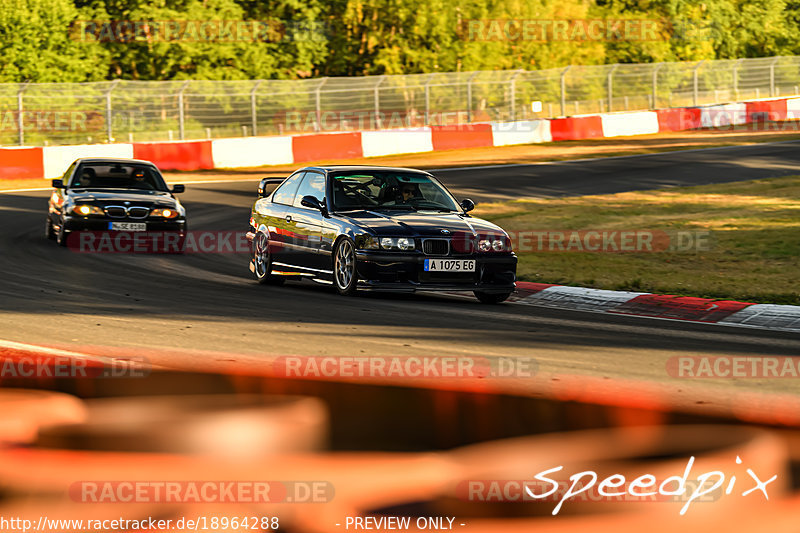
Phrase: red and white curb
(686,308)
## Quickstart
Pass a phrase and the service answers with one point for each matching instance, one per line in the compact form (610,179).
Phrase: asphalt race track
(199,310)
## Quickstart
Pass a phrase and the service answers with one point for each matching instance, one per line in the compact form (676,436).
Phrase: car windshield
(390,190)
(117,176)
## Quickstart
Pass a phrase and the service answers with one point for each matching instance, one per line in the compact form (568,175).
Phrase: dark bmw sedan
(113,195)
(380,228)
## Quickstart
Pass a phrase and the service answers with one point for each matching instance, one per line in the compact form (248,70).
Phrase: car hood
(421,224)
(118,195)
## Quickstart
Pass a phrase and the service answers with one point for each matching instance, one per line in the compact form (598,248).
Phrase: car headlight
(165,212)
(368,243)
(397,243)
(405,243)
(86,210)
(494,243)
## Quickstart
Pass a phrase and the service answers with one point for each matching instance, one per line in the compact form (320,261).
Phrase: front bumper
(73,223)
(494,273)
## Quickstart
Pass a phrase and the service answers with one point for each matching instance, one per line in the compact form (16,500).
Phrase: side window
(313,185)
(284,194)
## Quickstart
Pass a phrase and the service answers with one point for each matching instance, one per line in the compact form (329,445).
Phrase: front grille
(436,247)
(138,212)
(118,211)
(115,211)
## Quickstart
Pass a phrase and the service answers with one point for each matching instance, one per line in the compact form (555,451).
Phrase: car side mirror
(178,188)
(264,183)
(467,205)
(262,188)
(312,202)
(57,184)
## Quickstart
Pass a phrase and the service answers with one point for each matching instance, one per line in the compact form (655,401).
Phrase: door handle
(288,218)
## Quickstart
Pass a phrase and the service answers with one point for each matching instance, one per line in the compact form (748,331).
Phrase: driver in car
(86,177)
(408,191)
(139,180)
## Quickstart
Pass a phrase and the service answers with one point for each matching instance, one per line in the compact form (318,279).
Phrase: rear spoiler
(262,185)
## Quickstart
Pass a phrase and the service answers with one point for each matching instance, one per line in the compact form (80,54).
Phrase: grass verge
(755,240)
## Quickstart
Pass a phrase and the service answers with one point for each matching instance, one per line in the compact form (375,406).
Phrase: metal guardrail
(124,111)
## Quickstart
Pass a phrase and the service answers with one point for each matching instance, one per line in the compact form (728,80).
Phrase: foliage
(356,37)
(35,45)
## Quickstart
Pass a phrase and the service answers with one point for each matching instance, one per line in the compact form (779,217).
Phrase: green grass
(755,236)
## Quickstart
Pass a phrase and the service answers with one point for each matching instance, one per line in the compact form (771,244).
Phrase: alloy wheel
(345,267)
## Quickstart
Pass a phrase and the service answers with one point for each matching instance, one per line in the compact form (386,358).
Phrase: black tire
(491,297)
(345,275)
(62,235)
(49,232)
(262,262)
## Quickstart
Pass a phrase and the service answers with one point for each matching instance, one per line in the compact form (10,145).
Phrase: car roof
(356,168)
(113,160)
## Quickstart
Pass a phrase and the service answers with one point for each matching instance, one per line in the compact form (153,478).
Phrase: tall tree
(35,44)
(263,46)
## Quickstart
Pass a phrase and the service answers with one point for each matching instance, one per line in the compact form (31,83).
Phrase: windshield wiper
(438,209)
(399,206)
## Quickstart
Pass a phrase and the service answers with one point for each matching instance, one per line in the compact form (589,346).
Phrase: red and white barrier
(56,159)
(51,162)
(522,132)
(322,146)
(21,163)
(766,110)
(622,124)
(461,136)
(401,141)
(679,119)
(251,152)
(717,116)
(793,108)
(575,128)
(179,155)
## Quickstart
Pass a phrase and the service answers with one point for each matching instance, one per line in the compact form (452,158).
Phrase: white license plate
(449,265)
(127,226)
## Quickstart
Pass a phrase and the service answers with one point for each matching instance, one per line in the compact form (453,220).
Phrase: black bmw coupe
(380,228)
(113,195)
